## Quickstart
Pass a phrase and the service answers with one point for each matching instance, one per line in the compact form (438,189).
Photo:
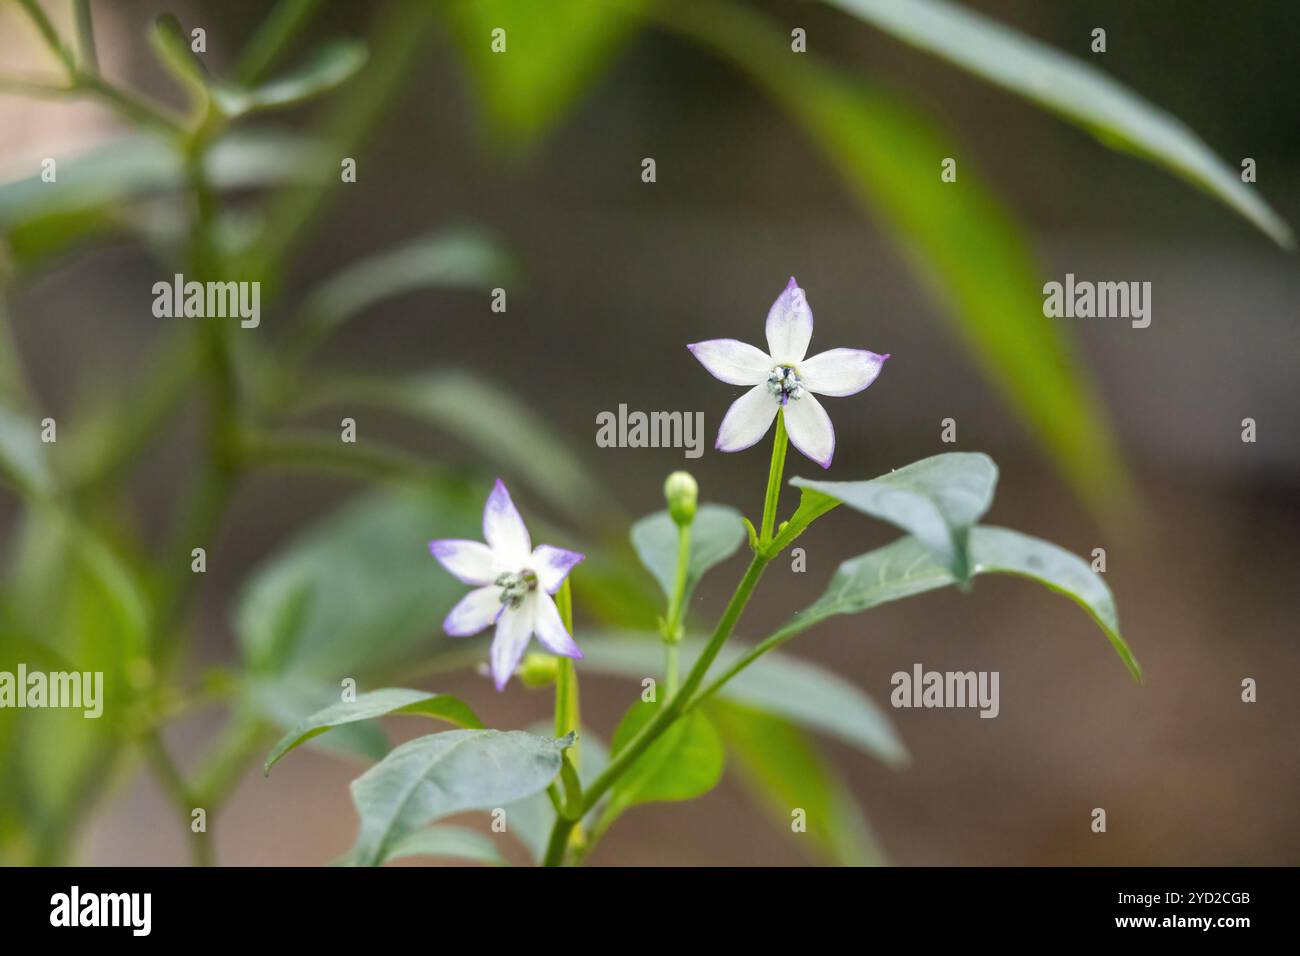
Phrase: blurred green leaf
(95,188)
(716,534)
(328,67)
(785,771)
(907,567)
(358,592)
(530,820)
(434,776)
(368,706)
(553,51)
(1073,89)
(936,500)
(685,762)
(454,843)
(959,239)
(463,258)
(492,421)
(798,690)
(22,455)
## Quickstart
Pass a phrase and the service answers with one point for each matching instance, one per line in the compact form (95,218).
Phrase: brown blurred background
(618,276)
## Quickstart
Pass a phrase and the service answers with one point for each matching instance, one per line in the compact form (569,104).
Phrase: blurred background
(609,277)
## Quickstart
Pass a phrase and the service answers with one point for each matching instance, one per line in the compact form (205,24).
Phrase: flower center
(515,587)
(784,384)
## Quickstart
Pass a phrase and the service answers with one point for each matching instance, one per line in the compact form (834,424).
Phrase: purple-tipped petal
(810,429)
(733,362)
(840,372)
(514,628)
(552,566)
(477,610)
(789,326)
(747,420)
(472,562)
(550,629)
(503,527)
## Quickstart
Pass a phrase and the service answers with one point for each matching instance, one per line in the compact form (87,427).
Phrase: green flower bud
(538,670)
(682,492)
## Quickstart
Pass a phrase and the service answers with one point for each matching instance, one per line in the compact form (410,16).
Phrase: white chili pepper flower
(513,587)
(782,378)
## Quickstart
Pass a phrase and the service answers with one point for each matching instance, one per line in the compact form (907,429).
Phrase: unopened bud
(538,670)
(682,492)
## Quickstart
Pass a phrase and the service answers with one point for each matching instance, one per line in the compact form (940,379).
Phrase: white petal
(472,562)
(810,429)
(840,372)
(477,610)
(747,420)
(552,566)
(789,326)
(735,363)
(514,628)
(550,629)
(504,529)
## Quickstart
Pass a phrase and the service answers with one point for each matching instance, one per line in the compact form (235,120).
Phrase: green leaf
(455,843)
(495,423)
(434,776)
(554,51)
(685,762)
(22,455)
(357,593)
(530,821)
(798,690)
(283,699)
(785,771)
(964,245)
(376,703)
(463,258)
(1073,89)
(98,187)
(329,67)
(717,533)
(937,500)
(907,567)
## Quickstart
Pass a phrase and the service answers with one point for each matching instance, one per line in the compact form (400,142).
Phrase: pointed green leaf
(716,534)
(937,500)
(367,706)
(456,843)
(328,68)
(434,776)
(685,762)
(530,821)
(907,567)
(1075,90)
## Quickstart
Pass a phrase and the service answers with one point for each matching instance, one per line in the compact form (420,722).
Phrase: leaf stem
(86,37)
(780,442)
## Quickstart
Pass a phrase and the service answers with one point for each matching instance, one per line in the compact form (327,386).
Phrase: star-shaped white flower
(513,587)
(783,379)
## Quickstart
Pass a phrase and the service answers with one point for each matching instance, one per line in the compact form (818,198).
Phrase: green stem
(179,794)
(277,31)
(672,632)
(779,444)
(86,37)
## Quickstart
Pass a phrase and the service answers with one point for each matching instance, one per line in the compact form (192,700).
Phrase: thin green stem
(179,793)
(277,31)
(50,35)
(672,631)
(779,444)
(86,37)
(671,667)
